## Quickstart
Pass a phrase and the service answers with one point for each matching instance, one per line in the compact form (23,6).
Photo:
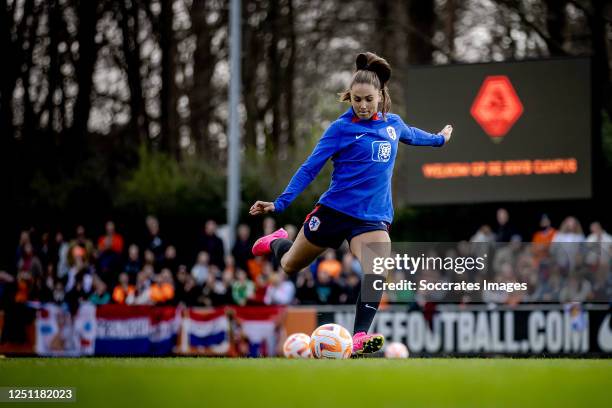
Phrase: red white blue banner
(119,330)
(136,330)
(205,331)
(59,333)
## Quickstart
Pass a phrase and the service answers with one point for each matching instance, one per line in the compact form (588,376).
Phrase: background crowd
(112,268)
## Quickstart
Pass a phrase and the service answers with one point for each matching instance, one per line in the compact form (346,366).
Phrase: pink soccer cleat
(262,245)
(364,343)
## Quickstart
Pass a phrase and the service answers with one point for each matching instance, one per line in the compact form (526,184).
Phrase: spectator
(484,234)
(230,265)
(599,246)
(280,291)
(546,233)
(200,270)
(25,283)
(45,284)
(24,238)
(306,292)
(111,240)
(109,260)
(569,231)
(549,289)
(162,291)
(76,295)
(350,289)
(62,255)
(327,289)
(189,292)
(143,283)
(186,289)
(505,230)
(181,275)
(45,250)
(330,264)
(79,271)
(351,265)
(217,291)
(29,261)
(269,225)
(242,288)
(83,242)
(153,240)
(567,243)
(211,243)
(577,289)
(149,259)
(133,265)
(292,231)
(58,292)
(170,260)
(507,254)
(602,286)
(100,295)
(242,248)
(598,234)
(542,239)
(124,293)
(482,242)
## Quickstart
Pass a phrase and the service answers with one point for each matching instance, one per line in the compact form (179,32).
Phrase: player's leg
(292,256)
(297,255)
(323,228)
(366,309)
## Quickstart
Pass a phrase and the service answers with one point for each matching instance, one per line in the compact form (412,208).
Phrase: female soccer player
(357,207)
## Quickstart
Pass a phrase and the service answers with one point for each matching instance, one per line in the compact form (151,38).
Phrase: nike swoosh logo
(357,137)
(370,307)
(604,336)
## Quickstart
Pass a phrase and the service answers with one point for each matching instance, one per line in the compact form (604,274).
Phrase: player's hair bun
(361,62)
(369,61)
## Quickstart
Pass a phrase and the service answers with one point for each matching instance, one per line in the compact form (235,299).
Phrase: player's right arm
(325,148)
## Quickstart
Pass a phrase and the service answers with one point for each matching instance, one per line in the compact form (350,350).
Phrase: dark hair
(374,70)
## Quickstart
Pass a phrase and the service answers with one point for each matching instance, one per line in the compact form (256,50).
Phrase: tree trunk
(201,95)
(131,48)
(76,140)
(555,25)
(290,76)
(422,18)
(169,118)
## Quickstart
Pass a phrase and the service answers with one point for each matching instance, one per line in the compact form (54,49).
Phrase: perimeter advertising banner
(527,330)
(522,131)
(436,330)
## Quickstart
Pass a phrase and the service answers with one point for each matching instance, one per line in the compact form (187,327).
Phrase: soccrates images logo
(497,106)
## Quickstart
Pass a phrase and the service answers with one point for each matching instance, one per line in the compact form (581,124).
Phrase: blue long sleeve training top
(363,153)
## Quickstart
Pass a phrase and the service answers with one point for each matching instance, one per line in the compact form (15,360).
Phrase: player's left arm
(417,137)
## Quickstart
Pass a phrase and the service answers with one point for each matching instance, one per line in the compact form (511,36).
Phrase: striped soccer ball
(297,346)
(331,341)
(396,350)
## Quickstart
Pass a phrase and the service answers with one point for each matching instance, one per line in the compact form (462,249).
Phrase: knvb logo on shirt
(381,151)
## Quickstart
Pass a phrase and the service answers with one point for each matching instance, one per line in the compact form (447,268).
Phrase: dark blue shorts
(328,228)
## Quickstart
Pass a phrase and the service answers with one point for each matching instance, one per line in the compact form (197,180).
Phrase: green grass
(376,383)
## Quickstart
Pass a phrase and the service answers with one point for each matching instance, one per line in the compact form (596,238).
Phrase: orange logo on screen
(497,106)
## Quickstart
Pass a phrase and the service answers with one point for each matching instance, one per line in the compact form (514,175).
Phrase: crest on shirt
(313,223)
(391,132)
(381,151)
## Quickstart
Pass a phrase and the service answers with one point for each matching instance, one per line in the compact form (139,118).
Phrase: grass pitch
(375,383)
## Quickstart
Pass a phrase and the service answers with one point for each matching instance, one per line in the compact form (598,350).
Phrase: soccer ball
(331,341)
(297,346)
(396,350)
